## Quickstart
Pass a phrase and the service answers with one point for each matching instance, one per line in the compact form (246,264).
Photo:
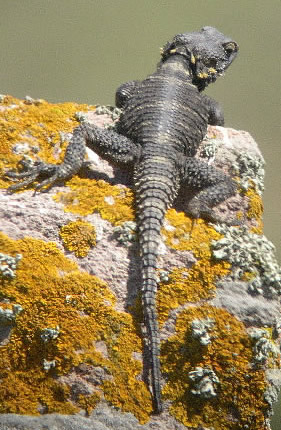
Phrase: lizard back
(167,117)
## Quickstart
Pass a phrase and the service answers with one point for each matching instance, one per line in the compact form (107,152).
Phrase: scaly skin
(164,119)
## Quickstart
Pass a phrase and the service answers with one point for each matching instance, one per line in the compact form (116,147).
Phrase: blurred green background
(69,50)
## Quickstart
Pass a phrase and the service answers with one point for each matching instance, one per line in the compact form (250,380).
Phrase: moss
(78,237)
(239,403)
(54,293)
(113,203)
(39,126)
(197,282)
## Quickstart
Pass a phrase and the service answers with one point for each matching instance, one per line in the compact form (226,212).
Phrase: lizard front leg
(125,92)
(110,145)
(215,111)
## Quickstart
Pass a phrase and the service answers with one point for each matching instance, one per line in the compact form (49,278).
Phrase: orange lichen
(113,203)
(78,237)
(197,282)
(39,126)
(239,403)
(55,294)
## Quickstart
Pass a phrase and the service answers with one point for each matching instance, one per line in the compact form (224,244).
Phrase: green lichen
(55,295)
(238,402)
(79,237)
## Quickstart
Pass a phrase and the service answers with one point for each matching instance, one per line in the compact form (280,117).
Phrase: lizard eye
(230,48)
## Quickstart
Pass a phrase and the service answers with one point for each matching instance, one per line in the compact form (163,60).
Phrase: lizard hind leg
(213,187)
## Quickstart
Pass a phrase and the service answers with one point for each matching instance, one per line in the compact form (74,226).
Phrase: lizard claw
(28,177)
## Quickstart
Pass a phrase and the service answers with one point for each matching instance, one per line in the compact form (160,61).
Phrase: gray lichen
(271,394)
(126,233)
(111,111)
(31,101)
(264,346)
(250,170)
(8,265)
(252,254)
(65,137)
(205,381)
(8,316)
(210,148)
(48,334)
(200,330)
(162,275)
(80,116)
(47,365)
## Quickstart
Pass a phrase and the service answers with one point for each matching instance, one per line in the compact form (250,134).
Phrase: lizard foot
(38,169)
(210,215)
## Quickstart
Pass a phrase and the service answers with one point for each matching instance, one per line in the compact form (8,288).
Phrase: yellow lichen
(184,234)
(113,203)
(248,276)
(255,210)
(78,236)
(88,403)
(239,403)
(55,294)
(195,283)
(39,125)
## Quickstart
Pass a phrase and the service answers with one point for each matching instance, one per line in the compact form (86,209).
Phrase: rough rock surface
(103,418)
(248,291)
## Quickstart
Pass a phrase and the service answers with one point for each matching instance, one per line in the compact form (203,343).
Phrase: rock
(72,351)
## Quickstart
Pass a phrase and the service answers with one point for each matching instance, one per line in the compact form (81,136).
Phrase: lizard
(164,119)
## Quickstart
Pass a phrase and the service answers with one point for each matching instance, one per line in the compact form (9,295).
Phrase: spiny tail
(154,193)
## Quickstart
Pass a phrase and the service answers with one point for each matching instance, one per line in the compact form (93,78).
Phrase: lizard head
(208,53)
